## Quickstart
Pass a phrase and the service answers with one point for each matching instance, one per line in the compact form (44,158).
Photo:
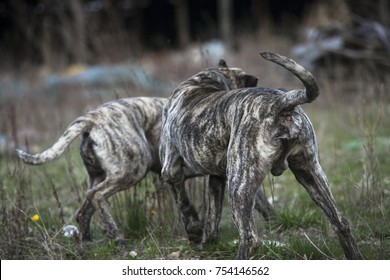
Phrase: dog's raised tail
(297,97)
(77,127)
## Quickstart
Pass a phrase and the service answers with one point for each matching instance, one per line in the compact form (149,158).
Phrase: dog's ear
(250,81)
(222,63)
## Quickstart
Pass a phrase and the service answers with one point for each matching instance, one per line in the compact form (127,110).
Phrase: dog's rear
(239,135)
(119,145)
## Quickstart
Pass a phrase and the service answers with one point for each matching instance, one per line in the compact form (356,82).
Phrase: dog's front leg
(173,174)
(315,182)
(192,223)
(262,205)
(214,209)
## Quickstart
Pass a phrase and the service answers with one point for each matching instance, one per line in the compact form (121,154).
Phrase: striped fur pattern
(216,123)
(119,145)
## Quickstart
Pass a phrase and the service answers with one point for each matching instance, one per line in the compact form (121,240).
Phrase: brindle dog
(214,125)
(119,145)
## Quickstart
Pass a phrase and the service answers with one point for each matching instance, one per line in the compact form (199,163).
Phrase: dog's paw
(195,232)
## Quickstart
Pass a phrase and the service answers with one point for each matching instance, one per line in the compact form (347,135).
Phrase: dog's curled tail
(78,126)
(296,97)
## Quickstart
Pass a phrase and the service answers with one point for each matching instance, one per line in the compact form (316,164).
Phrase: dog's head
(234,78)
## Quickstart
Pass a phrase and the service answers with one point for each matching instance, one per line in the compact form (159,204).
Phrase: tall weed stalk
(371,187)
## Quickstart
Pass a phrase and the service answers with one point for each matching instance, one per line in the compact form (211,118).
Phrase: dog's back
(109,125)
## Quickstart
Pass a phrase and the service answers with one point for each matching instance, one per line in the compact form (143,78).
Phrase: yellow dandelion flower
(35,218)
(153,212)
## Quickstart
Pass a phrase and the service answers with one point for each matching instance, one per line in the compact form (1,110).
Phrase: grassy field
(351,119)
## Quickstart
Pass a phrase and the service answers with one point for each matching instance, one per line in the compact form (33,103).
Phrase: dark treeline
(74,31)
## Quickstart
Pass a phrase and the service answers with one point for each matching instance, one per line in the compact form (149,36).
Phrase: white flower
(133,254)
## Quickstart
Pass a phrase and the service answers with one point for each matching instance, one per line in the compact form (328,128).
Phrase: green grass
(354,143)
(150,222)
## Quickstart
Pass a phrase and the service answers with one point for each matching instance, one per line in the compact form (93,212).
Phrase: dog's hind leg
(242,187)
(123,177)
(83,218)
(214,209)
(312,177)
(99,201)
(96,175)
(98,198)
(85,212)
(262,205)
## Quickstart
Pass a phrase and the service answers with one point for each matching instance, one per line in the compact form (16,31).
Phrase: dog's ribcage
(116,124)
(199,126)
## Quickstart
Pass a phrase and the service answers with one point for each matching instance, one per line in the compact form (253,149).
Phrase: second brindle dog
(119,145)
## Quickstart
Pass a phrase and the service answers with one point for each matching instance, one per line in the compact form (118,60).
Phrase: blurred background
(86,48)
(59,59)
(59,33)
